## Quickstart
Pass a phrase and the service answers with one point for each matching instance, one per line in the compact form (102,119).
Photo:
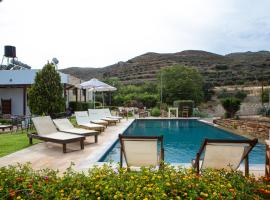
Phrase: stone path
(49,155)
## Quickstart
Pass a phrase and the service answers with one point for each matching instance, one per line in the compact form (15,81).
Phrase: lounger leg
(82,144)
(30,140)
(64,148)
(96,138)
(246,167)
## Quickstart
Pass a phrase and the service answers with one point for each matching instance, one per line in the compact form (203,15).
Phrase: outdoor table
(3,127)
(175,109)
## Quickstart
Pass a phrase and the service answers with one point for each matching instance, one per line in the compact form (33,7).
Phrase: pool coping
(252,167)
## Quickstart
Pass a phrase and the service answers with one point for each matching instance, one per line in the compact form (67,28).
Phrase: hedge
(82,106)
(22,182)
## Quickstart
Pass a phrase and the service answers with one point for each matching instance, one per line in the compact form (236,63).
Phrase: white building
(13,90)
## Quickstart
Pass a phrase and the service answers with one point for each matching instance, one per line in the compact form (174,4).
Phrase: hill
(234,68)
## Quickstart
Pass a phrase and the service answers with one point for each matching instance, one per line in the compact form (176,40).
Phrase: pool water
(182,139)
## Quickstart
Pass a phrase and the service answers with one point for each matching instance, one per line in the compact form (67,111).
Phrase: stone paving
(49,155)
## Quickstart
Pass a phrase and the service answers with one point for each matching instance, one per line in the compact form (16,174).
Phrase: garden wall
(256,128)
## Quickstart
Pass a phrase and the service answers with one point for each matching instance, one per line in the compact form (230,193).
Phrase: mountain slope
(234,68)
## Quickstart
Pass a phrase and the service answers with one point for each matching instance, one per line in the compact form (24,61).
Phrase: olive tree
(181,83)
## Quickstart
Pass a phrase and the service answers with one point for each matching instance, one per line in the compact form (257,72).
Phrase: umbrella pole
(102,99)
(94,100)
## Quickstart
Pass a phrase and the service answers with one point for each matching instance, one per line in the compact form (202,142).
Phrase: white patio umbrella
(96,85)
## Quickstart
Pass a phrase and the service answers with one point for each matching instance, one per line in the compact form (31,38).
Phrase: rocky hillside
(234,68)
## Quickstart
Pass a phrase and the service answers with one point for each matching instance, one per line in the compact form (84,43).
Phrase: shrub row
(22,182)
(82,106)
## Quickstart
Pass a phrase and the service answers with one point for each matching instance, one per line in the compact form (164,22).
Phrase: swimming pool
(182,139)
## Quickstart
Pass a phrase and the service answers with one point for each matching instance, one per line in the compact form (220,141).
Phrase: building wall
(16,96)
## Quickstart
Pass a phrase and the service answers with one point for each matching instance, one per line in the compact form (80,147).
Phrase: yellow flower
(18,197)
(204,194)
(159,177)
(61,191)
(145,198)
(168,184)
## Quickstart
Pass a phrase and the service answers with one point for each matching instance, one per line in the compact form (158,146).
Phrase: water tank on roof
(10,51)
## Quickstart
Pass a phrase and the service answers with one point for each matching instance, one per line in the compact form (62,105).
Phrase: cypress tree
(45,97)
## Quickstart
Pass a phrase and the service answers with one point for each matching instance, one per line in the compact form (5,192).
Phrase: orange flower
(12,193)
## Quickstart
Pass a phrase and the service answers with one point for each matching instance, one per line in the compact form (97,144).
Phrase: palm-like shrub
(231,106)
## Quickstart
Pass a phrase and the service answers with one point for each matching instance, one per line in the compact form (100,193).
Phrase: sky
(98,33)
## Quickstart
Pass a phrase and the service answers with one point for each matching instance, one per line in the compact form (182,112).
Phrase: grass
(12,142)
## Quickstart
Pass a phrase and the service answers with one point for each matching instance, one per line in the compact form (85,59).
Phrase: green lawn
(11,142)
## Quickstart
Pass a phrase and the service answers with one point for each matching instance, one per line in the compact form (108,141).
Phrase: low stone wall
(252,127)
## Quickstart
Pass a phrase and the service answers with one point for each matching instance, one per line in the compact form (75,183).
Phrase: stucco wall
(16,96)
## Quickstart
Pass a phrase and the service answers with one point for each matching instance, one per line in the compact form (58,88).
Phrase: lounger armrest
(196,162)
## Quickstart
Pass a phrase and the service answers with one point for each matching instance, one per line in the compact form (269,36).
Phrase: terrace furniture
(92,119)
(143,114)
(185,111)
(21,122)
(46,131)
(100,115)
(84,122)
(224,154)
(176,111)
(6,126)
(65,125)
(141,151)
(108,114)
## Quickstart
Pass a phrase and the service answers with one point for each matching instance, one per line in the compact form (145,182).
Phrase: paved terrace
(49,155)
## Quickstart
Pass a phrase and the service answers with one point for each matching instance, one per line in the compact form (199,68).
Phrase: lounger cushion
(61,136)
(99,121)
(141,152)
(44,125)
(223,156)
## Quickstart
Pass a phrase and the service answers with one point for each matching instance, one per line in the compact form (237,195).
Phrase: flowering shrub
(22,182)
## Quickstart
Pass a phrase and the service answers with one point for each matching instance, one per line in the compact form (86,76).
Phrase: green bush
(5,121)
(155,112)
(83,106)
(239,94)
(22,182)
(265,95)
(231,106)
(197,113)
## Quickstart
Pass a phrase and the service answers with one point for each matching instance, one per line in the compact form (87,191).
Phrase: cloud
(98,33)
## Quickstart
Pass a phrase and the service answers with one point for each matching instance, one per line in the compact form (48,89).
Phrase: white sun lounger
(65,125)
(85,122)
(93,119)
(46,131)
(107,113)
(99,114)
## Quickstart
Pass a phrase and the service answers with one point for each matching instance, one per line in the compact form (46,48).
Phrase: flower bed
(22,182)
